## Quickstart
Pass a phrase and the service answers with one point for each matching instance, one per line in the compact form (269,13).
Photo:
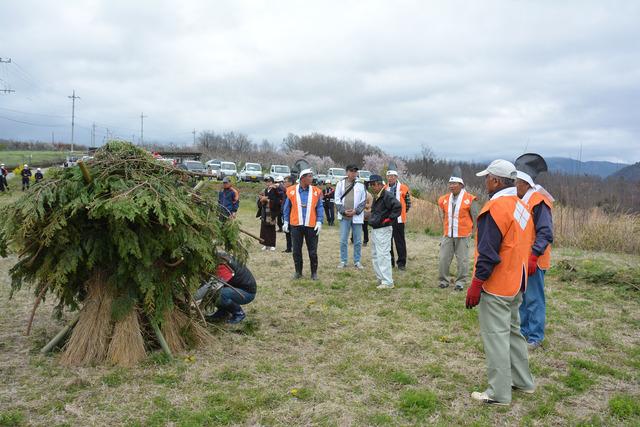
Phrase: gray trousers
(504,346)
(459,246)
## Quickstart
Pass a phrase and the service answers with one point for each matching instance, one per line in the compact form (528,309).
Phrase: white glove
(285,227)
(318,228)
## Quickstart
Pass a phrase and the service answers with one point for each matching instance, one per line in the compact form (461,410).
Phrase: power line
(31,124)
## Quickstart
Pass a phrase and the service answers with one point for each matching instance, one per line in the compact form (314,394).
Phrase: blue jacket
(229,198)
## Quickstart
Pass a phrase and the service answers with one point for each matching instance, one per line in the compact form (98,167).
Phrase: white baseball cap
(327,181)
(456,179)
(501,168)
(525,177)
(279,178)
(392,172)
(26,166)
(306,172)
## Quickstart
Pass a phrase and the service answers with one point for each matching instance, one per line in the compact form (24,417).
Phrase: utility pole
(194,137)
(93,135)
(73,114)
(52,138)
(142,117)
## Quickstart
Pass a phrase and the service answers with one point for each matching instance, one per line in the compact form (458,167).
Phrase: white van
(251,172)
(228,169)
(279,170)
(336,174)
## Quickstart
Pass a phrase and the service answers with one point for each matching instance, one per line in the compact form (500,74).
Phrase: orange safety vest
(458,223)
(295,215)
(533,199)
(401,194)
(513,218)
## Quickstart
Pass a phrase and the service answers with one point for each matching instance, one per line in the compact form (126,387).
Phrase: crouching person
(239,289)
(384,211)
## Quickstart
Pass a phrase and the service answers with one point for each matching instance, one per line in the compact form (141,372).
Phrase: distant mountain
(576,167)
(630,173)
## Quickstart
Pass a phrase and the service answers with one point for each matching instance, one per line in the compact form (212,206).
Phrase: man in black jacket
(384,211)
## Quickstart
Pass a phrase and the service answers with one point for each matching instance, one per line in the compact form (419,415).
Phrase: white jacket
(359,200)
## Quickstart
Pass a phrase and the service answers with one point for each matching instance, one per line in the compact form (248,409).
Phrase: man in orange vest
(459,211)
(540,202)
(499,278)
(303,215)
(402,194)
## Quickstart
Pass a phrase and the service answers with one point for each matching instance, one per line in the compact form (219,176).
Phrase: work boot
(314,276)
(237,317)
(297,275)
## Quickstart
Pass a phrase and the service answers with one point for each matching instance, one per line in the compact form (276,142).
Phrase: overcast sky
(471,80)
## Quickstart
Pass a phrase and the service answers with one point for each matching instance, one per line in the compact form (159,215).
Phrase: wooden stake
(161,340)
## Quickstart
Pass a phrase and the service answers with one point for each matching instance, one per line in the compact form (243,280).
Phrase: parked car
(213,167)
(320,179)
(170,162)
(192,166)
(279,170)
(336,174)
(363,175)
(251,172)
(228,169)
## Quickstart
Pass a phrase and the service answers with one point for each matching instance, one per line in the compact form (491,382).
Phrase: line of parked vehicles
(253,172)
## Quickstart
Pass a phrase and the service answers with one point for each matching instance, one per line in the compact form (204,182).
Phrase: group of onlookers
(25,174)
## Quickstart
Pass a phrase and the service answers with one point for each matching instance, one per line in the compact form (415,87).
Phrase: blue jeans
(347,225)
(533,308)
(230,300)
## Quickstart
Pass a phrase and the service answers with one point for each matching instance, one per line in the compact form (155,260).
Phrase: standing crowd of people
(513,236)
(25,175)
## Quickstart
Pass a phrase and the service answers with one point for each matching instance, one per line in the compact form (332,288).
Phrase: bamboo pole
(161,340)
(63,332)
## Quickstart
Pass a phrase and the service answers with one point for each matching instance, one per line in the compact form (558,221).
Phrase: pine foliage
(137,220)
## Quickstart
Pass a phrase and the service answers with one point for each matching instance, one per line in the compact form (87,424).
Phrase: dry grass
(182,333)
(89,341)
(127,345)
(340,352)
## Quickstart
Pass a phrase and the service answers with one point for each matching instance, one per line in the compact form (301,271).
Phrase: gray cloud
(472,80)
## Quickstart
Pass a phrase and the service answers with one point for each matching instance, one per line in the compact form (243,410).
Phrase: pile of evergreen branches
(124,222)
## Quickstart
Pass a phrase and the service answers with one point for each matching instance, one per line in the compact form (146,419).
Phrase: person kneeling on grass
(240,289)
(384,211)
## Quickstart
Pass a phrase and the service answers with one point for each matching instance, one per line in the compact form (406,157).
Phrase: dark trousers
(288,237)
(25,183)
(400,244)
(329,212)
(280,222)
(298,234)
(1,183)
(230,300)
(365,232)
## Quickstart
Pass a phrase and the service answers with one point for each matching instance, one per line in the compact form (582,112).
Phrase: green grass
(11,418)
(418,403)
(32,158)
(338,352)
(625,407)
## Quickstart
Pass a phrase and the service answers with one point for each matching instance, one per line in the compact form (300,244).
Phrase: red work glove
(533,264)
(473,293)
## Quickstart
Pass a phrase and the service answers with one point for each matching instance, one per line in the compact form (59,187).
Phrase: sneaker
(218,316)
(402,268)
(297,275)
(342,265)
(272,248)
(264,248)
(523,390)
(444,285)
(533,346)
(383,286)
(359,266)
(459,287)
(237,317)
(482,397)
(314,276)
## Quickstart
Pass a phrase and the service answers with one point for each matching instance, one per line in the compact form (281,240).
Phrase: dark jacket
(230,199)
(242,278)
(385,209)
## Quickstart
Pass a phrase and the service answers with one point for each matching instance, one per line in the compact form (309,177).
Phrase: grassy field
(32,158)
(340,352)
